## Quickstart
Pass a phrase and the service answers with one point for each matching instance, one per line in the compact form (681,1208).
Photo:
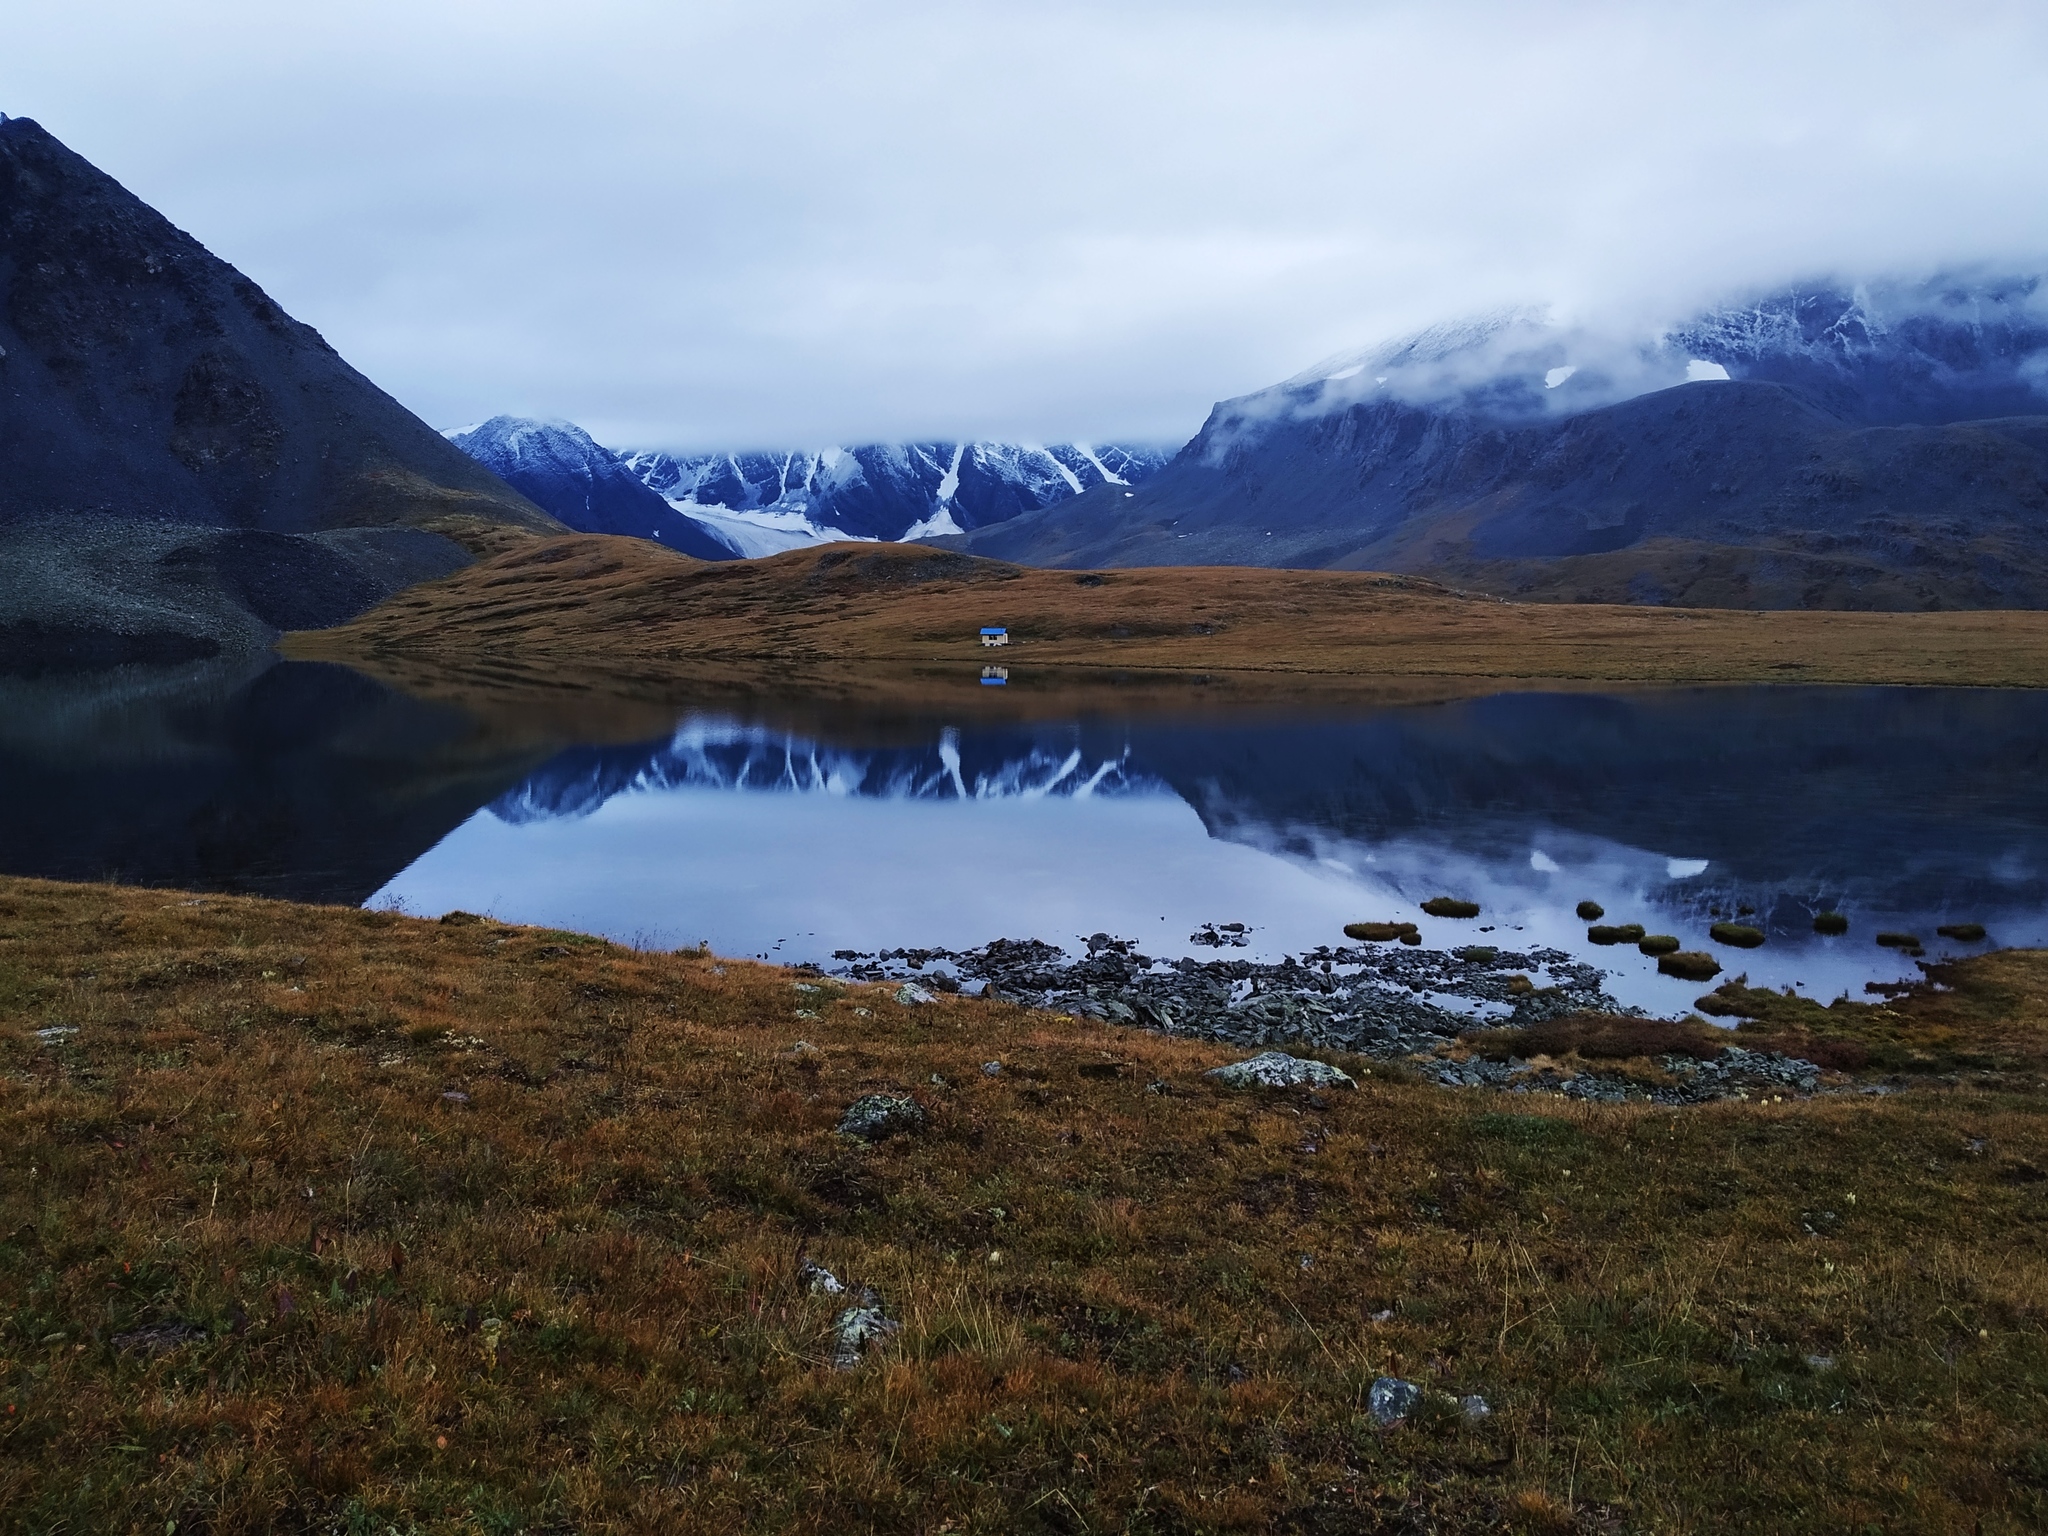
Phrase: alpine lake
(1166,860)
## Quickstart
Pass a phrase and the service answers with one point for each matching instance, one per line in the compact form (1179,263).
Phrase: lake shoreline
(586,606)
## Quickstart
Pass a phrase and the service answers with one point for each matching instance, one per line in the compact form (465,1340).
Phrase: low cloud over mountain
(1878,445)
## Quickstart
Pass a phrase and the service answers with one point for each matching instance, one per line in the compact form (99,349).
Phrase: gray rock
(1475,1407)
(1276,1069)
(858,1329)
(878,1116)
(911,995)
(819,1280)
(991,1069)
(1391,1399)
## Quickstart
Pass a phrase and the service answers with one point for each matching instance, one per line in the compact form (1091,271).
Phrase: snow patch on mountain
(896,491)
(1929,351)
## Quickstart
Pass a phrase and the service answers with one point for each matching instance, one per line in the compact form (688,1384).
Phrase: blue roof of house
(994,629)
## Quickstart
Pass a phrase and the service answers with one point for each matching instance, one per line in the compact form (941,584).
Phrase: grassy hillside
(597,610)
(330,1220)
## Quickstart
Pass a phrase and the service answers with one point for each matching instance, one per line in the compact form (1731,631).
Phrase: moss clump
(1477,954)
(1591,911)
(1382,933)
(1962,933)
(1736,935)
(1658,944)
(1899,940)
(1830,923)
(1689,965)
(1601,1037)
(1616,933)
(1450,906)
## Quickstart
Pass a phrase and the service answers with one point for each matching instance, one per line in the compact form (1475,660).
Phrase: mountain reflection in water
(1902,807)
(791,829)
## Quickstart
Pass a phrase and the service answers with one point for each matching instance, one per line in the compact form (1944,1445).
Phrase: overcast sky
(766,223)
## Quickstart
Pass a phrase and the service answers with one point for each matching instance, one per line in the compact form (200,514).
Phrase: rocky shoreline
(1394,1003)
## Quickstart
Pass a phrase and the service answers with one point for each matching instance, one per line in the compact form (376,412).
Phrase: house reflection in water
(994,677)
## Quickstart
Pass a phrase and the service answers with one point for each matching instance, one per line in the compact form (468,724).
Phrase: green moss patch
(1616,933)
(1380,933)
(1689,965)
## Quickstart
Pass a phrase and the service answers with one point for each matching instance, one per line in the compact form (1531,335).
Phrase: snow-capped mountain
(720,506)
(1946,350)
(1882,444)
(582,483)
(763,502)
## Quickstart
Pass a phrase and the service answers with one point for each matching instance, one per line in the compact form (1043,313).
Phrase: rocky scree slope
(145,381)
(1816,449)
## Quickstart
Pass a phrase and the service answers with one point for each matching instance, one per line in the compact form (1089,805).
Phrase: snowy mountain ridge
(764,502)
(721,506)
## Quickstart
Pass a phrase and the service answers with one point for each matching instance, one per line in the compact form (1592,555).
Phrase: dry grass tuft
(328,1220)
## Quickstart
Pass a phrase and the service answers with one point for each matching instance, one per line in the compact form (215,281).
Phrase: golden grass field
(591,612)
(332,1220)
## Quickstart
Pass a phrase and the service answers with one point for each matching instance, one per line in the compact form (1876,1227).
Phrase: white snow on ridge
(751,533)
(1101,468)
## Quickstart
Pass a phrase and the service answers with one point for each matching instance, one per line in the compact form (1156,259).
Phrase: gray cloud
(776,223)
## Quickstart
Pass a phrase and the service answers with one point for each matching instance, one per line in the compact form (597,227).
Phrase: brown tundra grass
(330,1220)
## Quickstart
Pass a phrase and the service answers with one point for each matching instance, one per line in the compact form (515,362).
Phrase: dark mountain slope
(1877,445)
(1789,503)
(145,386)
(144,376)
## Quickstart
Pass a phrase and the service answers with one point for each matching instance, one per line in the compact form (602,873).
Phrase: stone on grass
(1474,1406)
(911,995)
(1276,1069)
(1392,1399)
(878,1116)
(858,1329)
(819,1280)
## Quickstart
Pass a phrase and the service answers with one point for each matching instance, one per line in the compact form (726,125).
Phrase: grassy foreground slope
(331,1220)
(597,607)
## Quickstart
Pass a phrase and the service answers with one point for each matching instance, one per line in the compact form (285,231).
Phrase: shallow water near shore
(1903,809)
(789,833)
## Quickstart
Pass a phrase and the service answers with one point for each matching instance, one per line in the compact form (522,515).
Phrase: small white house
(995,635)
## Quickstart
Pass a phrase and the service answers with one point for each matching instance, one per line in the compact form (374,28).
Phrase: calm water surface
(789,834)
